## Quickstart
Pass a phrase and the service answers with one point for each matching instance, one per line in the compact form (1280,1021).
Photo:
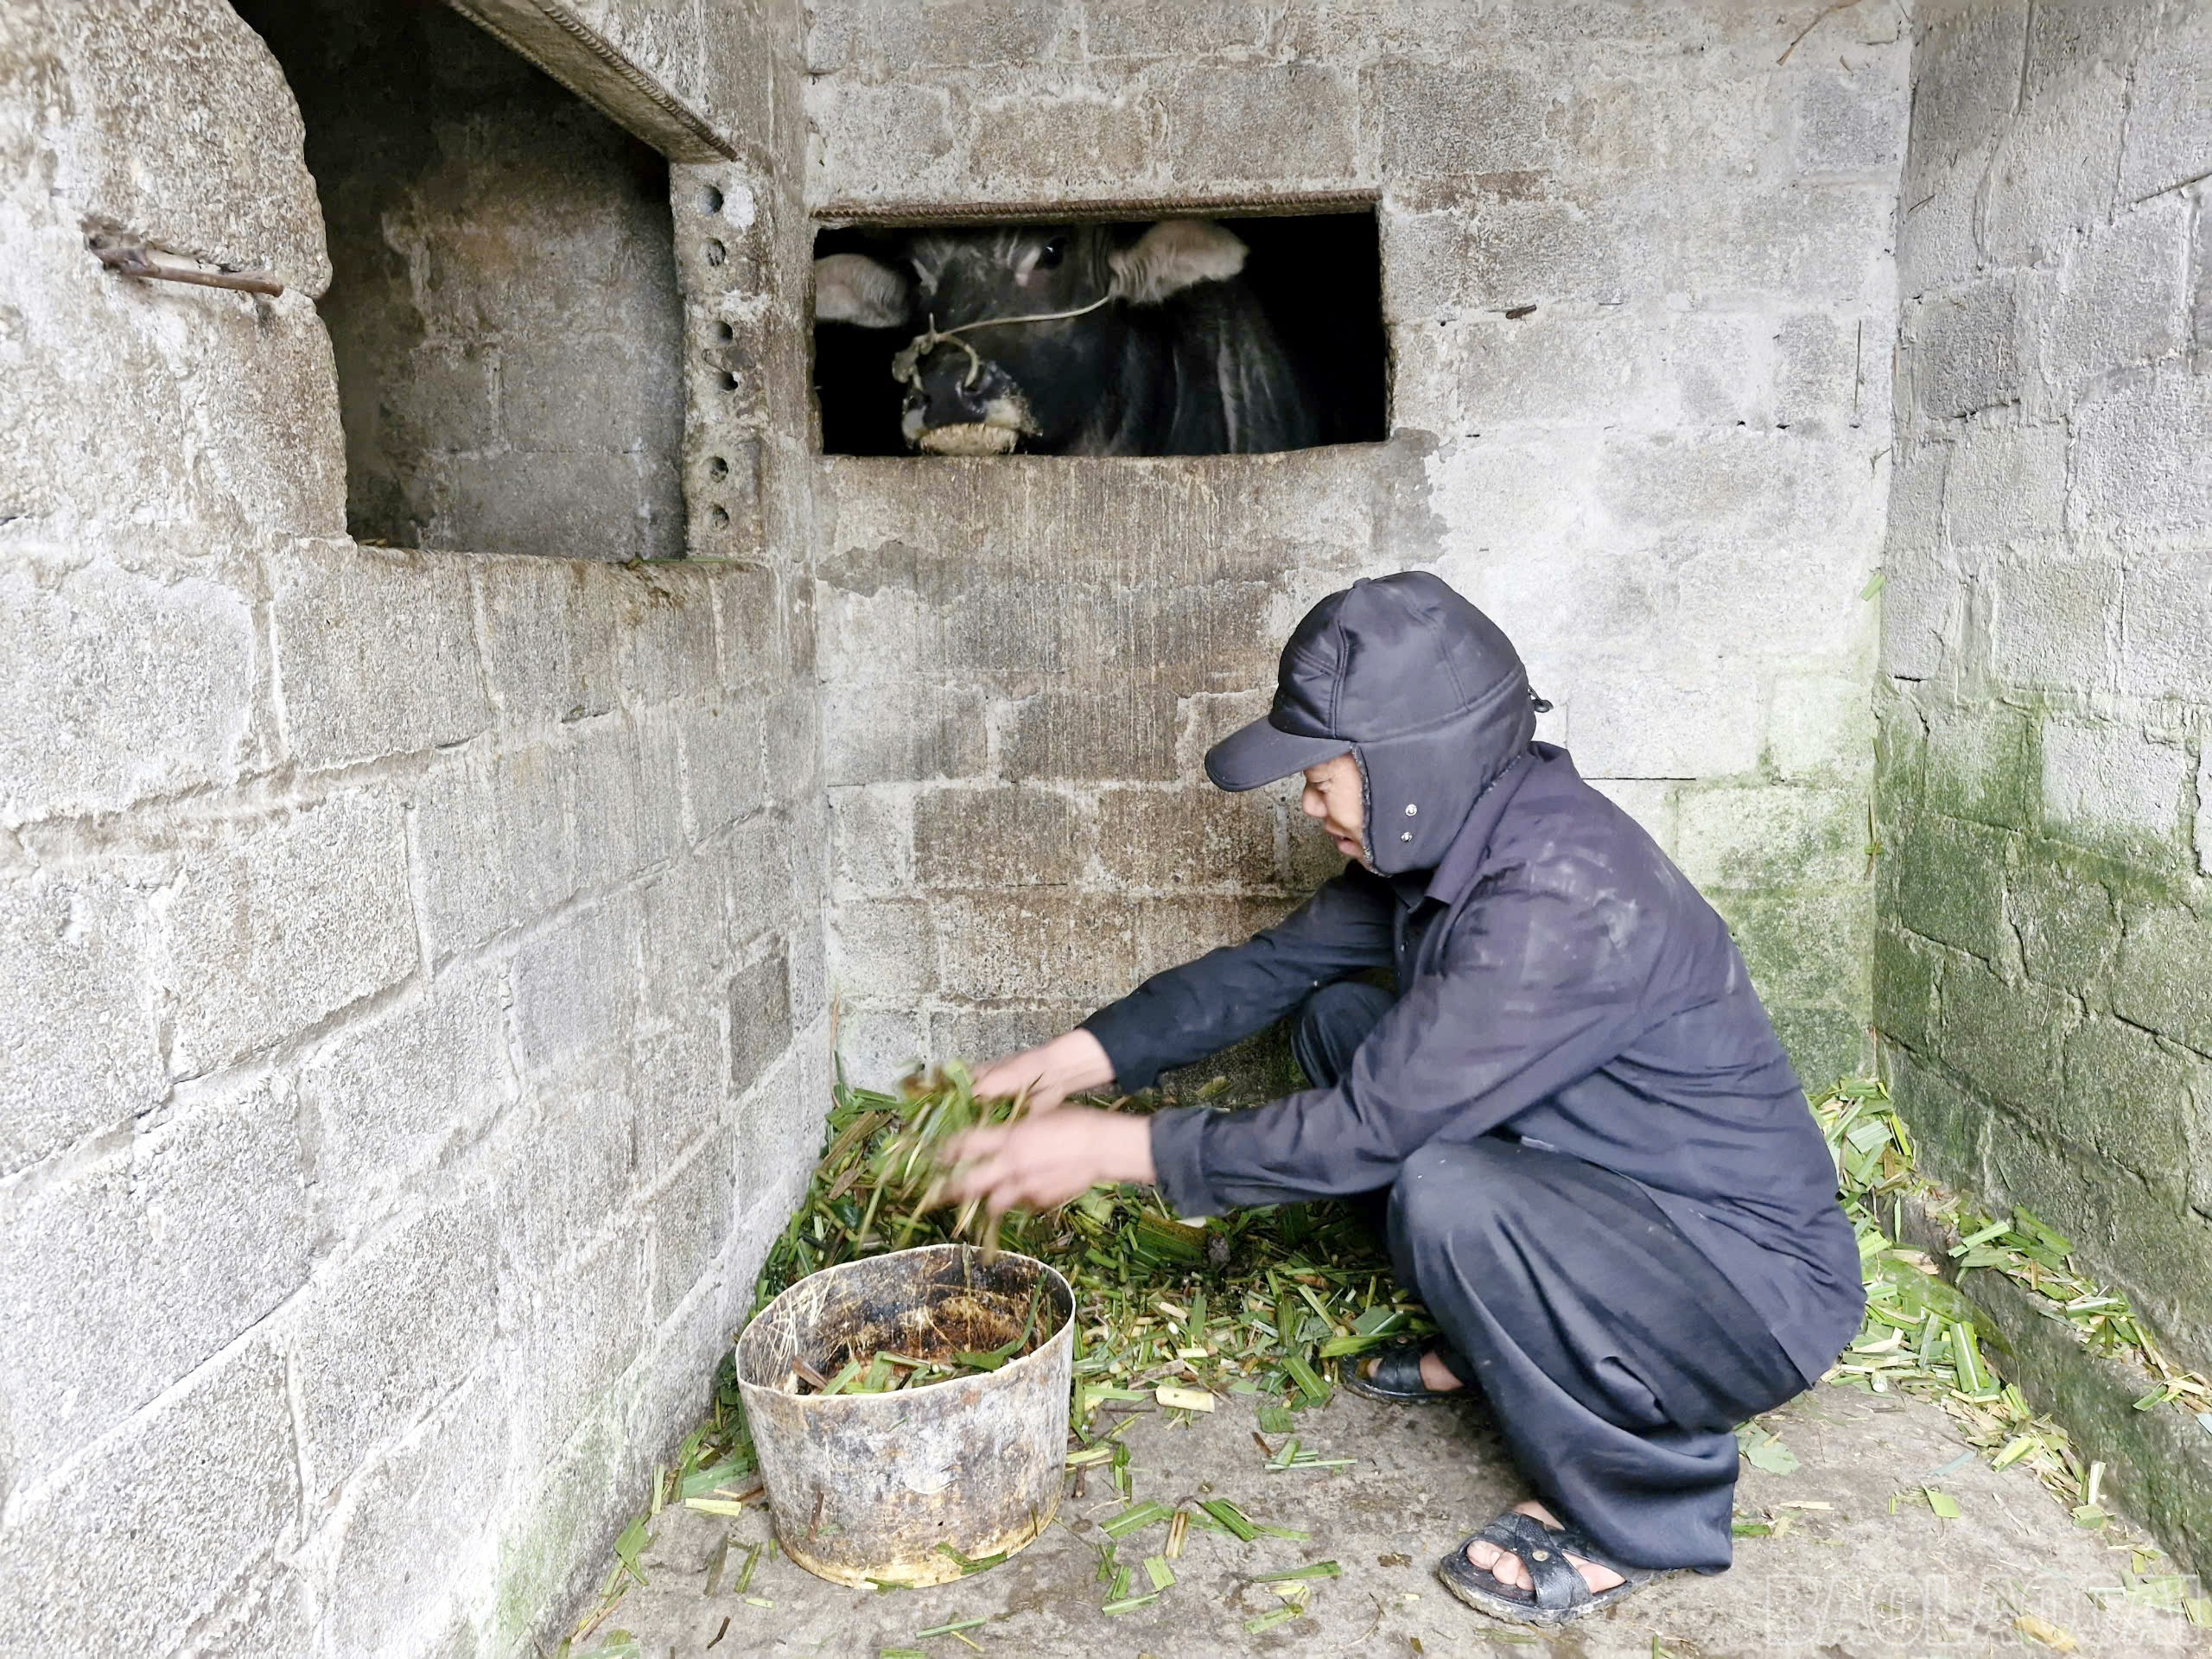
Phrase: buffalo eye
(1052,253)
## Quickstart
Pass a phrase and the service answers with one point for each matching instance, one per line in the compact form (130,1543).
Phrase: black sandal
(1396,1377)
(1561,1595)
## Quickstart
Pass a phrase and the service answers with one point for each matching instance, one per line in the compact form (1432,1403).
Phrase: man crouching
(1603,1178)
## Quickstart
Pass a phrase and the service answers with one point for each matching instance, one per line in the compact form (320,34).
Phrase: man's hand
(1043,1161)
(1069,1065)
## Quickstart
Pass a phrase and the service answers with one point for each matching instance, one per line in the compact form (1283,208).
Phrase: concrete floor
(1850,1582)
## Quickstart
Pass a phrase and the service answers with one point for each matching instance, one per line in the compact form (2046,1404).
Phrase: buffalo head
(1020,335)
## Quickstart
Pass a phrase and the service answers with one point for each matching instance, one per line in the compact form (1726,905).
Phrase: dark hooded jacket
(1560,981)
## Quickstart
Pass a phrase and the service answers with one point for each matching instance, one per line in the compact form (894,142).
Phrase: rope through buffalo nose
(906,365)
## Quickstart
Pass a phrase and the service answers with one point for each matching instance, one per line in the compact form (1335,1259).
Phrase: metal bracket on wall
(130,260)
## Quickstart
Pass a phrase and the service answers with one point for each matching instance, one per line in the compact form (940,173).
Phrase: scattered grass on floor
(1260,1303)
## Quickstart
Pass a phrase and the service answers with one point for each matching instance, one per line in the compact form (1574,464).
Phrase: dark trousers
(1616,1358)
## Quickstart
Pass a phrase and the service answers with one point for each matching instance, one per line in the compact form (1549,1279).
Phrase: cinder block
(2064,914)
(760,1017)
(1922,609)
(2133,1097)
(77,998)
(491,846)
(883,949)
(1808,243)
(1072,137)
(686,935)
(994,837)
(401,1322)
(551,630)
(2006,484)
(1951,1128)
(1166,933)
(724,764)
(1820,727)
(1964,349)
(2051,621)
(123,685)
(282,921)
(1438,121)
(2003,1038)
(1765,835)
(2139,456)
(2054,166)
(152,1526)
(758,867)
(1949,884)
(874,851)
(1036,947)
(375,652)
(969,34)
(690,1220)
(2159,981)
(667,647)
(1917,480)
(2167,143)
(2109,780)
(1805,946)
(878,141)
(1666,720)
(1285,121)
(790,732)
(387,1096)
(2119,297)
(223,1186)
(1126,735)
(2167,612)
(779,1134)
(576,990)
(1194,837)
(750,618)
(1939,240)
(1906,972)
(413,1542)
(981,1035)
(1719,491)
(680,1081)
(1830,373)
(1981,765)
(1630,370)
(810,972)
(573,1337)
(901,733)
(1852,122)
(1966,72)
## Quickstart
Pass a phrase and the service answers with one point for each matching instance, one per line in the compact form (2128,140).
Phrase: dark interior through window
(503,307)
(1317,277)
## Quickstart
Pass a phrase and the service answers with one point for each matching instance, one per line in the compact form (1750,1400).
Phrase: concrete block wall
(413,1022)
(2044,912)
(1638,281)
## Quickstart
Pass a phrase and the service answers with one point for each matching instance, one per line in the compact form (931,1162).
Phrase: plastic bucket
(869,1487)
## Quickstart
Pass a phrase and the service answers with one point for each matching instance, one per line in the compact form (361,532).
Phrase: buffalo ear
(1173,256)
(853,288)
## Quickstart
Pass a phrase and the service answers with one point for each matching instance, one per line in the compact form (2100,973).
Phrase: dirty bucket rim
(832,1401)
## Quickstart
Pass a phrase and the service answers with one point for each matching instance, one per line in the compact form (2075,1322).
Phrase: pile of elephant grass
(1260,1303)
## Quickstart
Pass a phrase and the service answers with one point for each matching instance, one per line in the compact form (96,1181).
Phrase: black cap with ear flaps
(1420,687)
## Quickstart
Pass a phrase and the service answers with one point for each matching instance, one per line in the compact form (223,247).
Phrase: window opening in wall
(1153,337)
(503,307)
